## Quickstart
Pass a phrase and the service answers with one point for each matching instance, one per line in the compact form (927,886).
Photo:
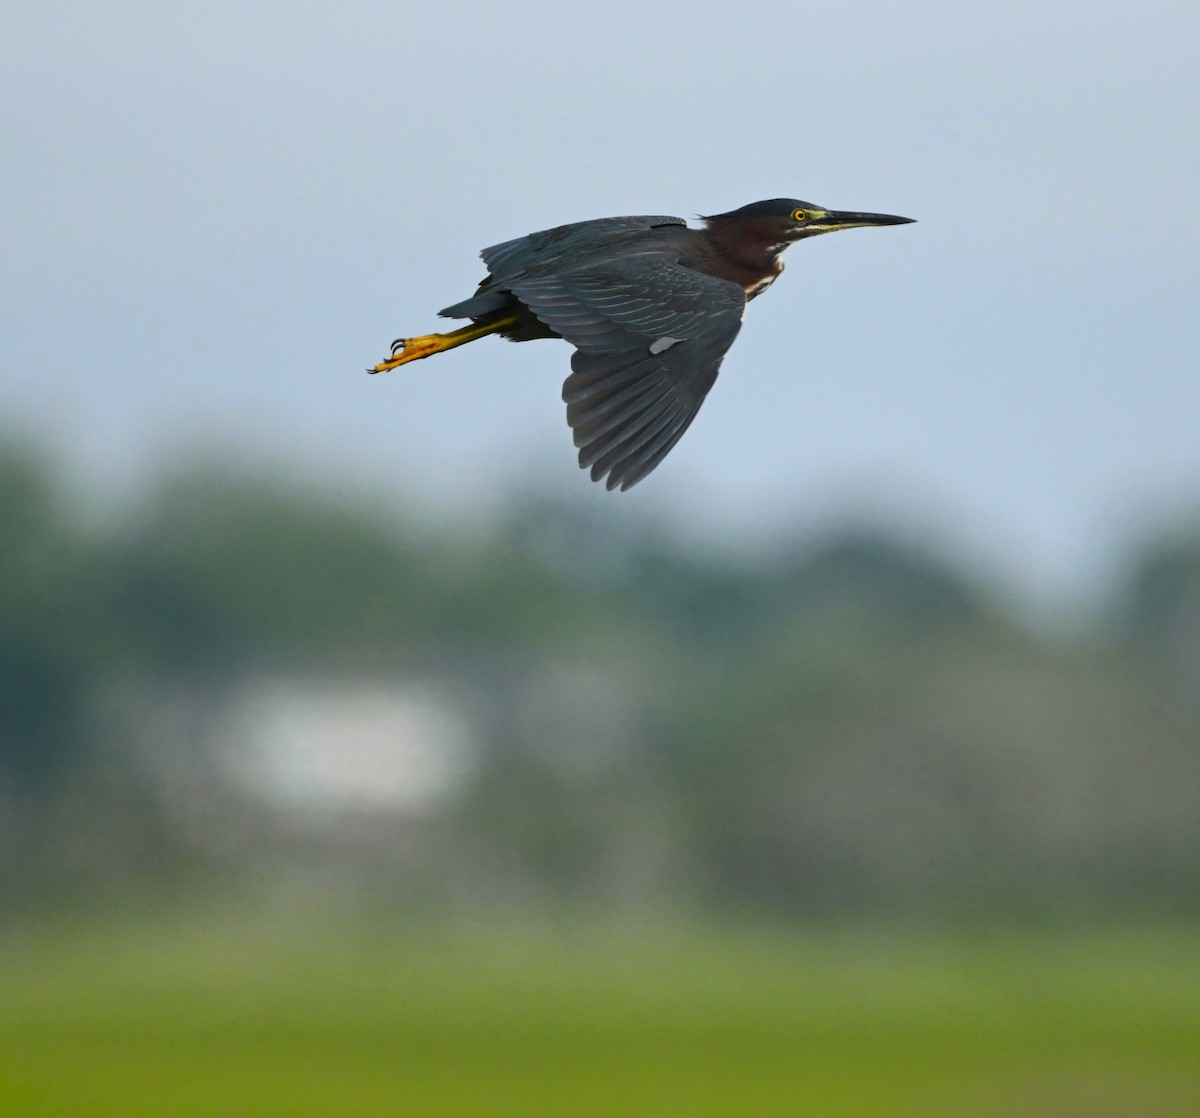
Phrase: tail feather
(479,304)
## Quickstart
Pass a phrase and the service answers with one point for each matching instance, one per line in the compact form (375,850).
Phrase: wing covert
(545,252)
(650,335)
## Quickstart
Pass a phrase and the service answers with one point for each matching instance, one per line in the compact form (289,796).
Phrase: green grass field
(167,1024)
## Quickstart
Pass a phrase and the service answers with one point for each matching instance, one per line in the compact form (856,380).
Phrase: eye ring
(799,215)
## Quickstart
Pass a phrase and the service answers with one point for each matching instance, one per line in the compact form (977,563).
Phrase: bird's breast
(757,287)
(756,278)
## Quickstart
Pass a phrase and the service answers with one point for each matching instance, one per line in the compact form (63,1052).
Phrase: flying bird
(651,307)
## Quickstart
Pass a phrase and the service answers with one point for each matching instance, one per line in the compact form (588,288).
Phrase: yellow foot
(411,349)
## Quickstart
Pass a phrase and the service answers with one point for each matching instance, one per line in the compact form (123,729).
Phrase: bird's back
(583,243)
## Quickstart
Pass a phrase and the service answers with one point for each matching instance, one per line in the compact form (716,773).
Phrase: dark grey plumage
(651,307)
(649,331)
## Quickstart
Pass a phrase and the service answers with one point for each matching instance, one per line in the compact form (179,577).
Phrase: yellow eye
(799,215)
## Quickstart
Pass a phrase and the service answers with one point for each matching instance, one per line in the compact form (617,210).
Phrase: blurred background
(358,756)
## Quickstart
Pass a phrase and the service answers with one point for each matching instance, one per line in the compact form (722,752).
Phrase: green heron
(650,305)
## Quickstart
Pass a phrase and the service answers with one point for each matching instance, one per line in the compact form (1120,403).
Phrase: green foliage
(1160,610)
(1164,588)
(845,724)
(216,571)
(49,630)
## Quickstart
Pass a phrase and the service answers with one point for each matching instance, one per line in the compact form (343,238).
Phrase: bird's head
(779,222)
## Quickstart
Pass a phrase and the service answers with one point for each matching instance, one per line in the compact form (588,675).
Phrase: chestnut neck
(752,243)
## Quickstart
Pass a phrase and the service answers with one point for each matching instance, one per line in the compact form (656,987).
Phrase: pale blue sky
(215,219)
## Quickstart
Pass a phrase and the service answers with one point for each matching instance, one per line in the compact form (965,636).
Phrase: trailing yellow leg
(413,349)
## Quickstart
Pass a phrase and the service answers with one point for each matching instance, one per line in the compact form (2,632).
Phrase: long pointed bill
(847,219)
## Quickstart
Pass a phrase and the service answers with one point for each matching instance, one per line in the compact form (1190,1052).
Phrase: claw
(411,349)
(405,350)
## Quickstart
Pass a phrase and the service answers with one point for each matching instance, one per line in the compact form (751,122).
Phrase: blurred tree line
(846,725)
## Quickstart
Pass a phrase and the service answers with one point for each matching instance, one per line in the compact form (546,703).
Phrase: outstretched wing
(650,335)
